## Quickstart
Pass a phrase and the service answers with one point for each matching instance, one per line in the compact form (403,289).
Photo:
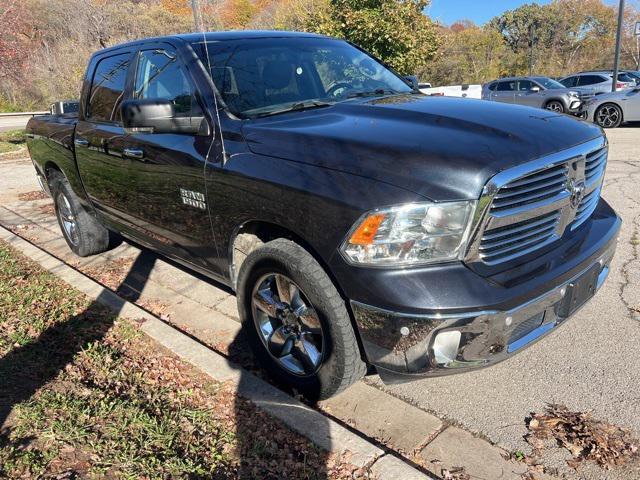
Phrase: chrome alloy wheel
(67,218)
(555,107)
(608,116)
(287,324)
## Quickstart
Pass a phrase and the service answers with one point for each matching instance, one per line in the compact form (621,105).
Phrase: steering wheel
(334,87)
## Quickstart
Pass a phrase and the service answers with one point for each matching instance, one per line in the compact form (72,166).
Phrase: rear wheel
(297,321)
(82,232)
(609,115)
(555,106)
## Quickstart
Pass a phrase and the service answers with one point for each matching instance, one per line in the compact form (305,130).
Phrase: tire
(82,232)
(338,356)
(555,106)
(608,115)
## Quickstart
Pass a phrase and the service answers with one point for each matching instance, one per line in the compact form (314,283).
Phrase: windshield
(266,76)
(549,83)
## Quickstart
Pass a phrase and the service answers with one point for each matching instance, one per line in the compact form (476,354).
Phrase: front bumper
(514,313)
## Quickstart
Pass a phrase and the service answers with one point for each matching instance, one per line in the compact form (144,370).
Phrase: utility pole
(197,19)
(616,62)
(532,41)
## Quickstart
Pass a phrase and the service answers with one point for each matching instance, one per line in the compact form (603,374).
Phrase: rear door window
(591,79)
(506,86)
(107,88)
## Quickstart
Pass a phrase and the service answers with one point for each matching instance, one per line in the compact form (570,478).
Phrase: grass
(11,141)
(90,396)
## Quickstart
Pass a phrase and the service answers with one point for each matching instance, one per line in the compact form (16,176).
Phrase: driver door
(526,95)
(167,169)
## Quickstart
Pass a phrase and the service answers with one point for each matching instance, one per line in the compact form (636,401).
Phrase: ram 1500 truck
(359,222)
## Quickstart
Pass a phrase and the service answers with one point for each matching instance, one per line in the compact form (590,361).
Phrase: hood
(439,147)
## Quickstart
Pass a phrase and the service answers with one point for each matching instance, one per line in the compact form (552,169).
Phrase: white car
(609,110)
(464,91)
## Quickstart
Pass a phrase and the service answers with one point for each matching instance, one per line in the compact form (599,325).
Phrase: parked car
(462,91)
(540,92)
(597,82)
(358,221)
(635,75)
(610,110)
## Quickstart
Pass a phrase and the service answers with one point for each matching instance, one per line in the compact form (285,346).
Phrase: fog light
(445,347)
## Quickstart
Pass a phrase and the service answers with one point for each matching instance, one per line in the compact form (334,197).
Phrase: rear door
(99,133)
(504,92)
(167,169)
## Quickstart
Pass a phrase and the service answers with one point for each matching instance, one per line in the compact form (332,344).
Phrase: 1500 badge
(193,199)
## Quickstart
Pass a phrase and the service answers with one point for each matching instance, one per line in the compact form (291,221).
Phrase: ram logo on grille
(532,205)
(576,189)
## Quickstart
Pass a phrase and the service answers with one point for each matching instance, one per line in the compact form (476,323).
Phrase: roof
(244,34)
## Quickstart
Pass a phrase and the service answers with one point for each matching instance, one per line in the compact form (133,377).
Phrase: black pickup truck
(360,222)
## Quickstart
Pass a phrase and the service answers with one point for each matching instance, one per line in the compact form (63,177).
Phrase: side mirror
(156,115)
(412,81)
(535,89)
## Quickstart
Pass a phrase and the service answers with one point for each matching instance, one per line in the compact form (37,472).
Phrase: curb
(336,439)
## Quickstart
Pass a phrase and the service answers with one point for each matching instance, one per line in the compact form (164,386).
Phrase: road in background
(13,121)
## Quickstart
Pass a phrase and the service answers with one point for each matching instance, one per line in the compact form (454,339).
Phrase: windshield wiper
(296,107)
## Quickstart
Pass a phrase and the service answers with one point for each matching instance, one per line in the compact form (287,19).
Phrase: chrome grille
(532,188)
(502,243)
(594,166)
(530,206)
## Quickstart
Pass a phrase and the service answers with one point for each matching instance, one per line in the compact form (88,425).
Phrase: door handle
(81,142)
(136,153)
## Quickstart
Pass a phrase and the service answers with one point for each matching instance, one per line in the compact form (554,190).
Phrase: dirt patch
(31,196)
(48,209)
(586,438)
(110,275)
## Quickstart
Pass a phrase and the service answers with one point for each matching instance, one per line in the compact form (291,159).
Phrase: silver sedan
(610,110)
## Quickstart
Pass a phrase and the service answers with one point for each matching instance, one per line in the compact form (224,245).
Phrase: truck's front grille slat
(595,166)
(529,210)
(504,241)
(531,188)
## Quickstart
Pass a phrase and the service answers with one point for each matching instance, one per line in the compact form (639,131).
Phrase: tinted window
(525,85)
(493,86)
(160,75)
(569,82)
(591,79)
(107,88)
(265,76)
(506,86)
(624,77)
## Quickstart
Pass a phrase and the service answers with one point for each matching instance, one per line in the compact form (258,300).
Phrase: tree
(469,54)
(396,31)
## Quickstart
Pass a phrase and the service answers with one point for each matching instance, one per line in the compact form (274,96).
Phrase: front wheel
(609,115)
(555,106)
(297,321)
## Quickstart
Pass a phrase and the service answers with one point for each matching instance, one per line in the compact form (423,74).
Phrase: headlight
(412,234)
(574,94)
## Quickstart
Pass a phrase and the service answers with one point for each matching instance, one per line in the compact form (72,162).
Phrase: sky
(479,11)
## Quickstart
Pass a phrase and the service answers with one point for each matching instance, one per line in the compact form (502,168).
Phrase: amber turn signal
(367,230)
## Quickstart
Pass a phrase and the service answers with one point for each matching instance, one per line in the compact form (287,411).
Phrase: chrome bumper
(402,346)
